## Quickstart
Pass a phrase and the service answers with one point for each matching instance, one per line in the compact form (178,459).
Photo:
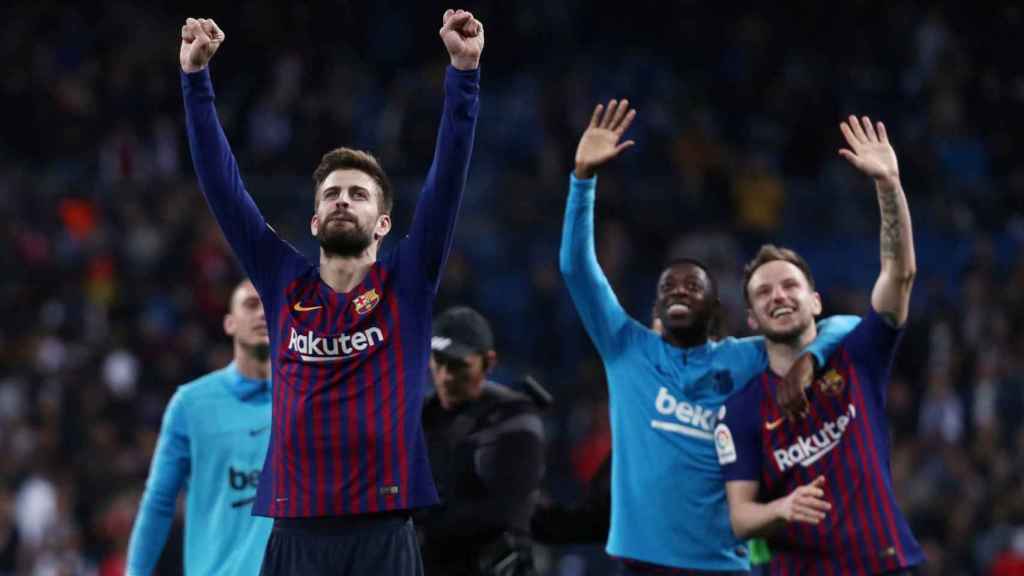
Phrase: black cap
(461,331)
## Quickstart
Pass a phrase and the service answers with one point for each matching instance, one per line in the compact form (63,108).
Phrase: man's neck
(343,273)
(251,366)
(686,340)
(782,355)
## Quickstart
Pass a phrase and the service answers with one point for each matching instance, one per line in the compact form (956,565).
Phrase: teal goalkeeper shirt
(668,496)
(212,443)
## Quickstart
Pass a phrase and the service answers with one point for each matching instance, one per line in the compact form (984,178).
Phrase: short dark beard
(345,243)
(788,338)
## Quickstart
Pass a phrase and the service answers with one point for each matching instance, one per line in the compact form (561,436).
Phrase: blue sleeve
(603,317)
(168,471)
(433,225)
(872,347)
(737,438)
(831,333)
(261,252)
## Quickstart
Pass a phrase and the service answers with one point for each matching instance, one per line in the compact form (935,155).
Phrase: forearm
(434,221)
(831,332)
(217,169)
(896,249)
(592,294)
(752,519)
(149,533)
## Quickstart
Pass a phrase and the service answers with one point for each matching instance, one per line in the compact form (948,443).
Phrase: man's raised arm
(433,224)
(253,242)
(600,311)
(871,153)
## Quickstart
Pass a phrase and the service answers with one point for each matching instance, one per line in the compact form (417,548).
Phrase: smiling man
(820,487)
(665,388)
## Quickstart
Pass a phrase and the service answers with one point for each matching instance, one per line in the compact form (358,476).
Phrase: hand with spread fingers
(791,394)
(869,149)
(600,141)
(463,36)
(200,39)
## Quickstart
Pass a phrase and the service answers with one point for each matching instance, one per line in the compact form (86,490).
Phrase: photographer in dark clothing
(486,447)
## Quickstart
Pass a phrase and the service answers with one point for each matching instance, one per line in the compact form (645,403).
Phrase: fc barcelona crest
(831,383)
(366,302)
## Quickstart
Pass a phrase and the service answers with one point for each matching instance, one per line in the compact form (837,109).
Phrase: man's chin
(345,244)
(789,335)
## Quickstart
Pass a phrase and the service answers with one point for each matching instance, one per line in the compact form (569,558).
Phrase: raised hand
(600,141)
(869,150)
(463,37)
(790,395)
(200,39)
(806,504)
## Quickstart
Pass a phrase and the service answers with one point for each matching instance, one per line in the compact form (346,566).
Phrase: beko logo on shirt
(694,420)
(313,348)
(807,451)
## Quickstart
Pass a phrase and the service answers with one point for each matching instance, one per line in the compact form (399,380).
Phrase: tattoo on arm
(890,242)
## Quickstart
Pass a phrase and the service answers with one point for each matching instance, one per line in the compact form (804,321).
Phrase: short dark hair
(770,253)
(681,260)
(351,159)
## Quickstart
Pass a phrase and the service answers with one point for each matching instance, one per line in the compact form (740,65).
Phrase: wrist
(583,171)
(465,64)
(888,182)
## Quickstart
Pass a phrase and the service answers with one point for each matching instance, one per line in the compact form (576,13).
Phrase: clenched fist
(200,39)
(463,37)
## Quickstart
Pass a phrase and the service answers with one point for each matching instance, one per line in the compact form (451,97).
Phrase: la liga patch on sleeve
(724,445)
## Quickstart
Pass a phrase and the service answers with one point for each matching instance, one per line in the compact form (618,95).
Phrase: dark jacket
(487,457)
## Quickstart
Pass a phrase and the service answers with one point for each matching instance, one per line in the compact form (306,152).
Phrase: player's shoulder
(748,396)
(209,386)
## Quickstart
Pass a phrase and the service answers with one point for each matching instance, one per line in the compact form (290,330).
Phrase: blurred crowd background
(116,278)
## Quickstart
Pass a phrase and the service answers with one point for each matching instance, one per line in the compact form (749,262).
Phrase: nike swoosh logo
(258,431)
(772,425)
(300,308)
(243,502)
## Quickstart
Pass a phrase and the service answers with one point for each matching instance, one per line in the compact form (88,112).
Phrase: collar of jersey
(693,351)
(246,389)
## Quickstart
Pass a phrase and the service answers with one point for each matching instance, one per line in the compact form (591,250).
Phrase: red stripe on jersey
(370,413)
(277,419)
(399,385)
(387,396)
(856,458)
(841,463)
(318,391)
(351,400)
(874,473)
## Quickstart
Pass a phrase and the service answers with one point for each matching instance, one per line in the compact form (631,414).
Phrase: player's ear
(383,226)
(314,225)
(816,304)
(230,325)
(751,320)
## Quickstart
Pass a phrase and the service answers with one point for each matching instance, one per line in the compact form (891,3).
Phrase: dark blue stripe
(392,384)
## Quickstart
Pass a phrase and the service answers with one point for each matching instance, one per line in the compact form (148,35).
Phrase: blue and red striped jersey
(348,369)
(846,440)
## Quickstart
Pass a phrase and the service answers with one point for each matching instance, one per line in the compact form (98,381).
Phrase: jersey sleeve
(872,347)
(737,439)
(831,333)
(603,317)
(170,467)
(426,247)
(259,249)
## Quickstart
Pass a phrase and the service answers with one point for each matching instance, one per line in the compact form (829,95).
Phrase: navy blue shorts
(376,544)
